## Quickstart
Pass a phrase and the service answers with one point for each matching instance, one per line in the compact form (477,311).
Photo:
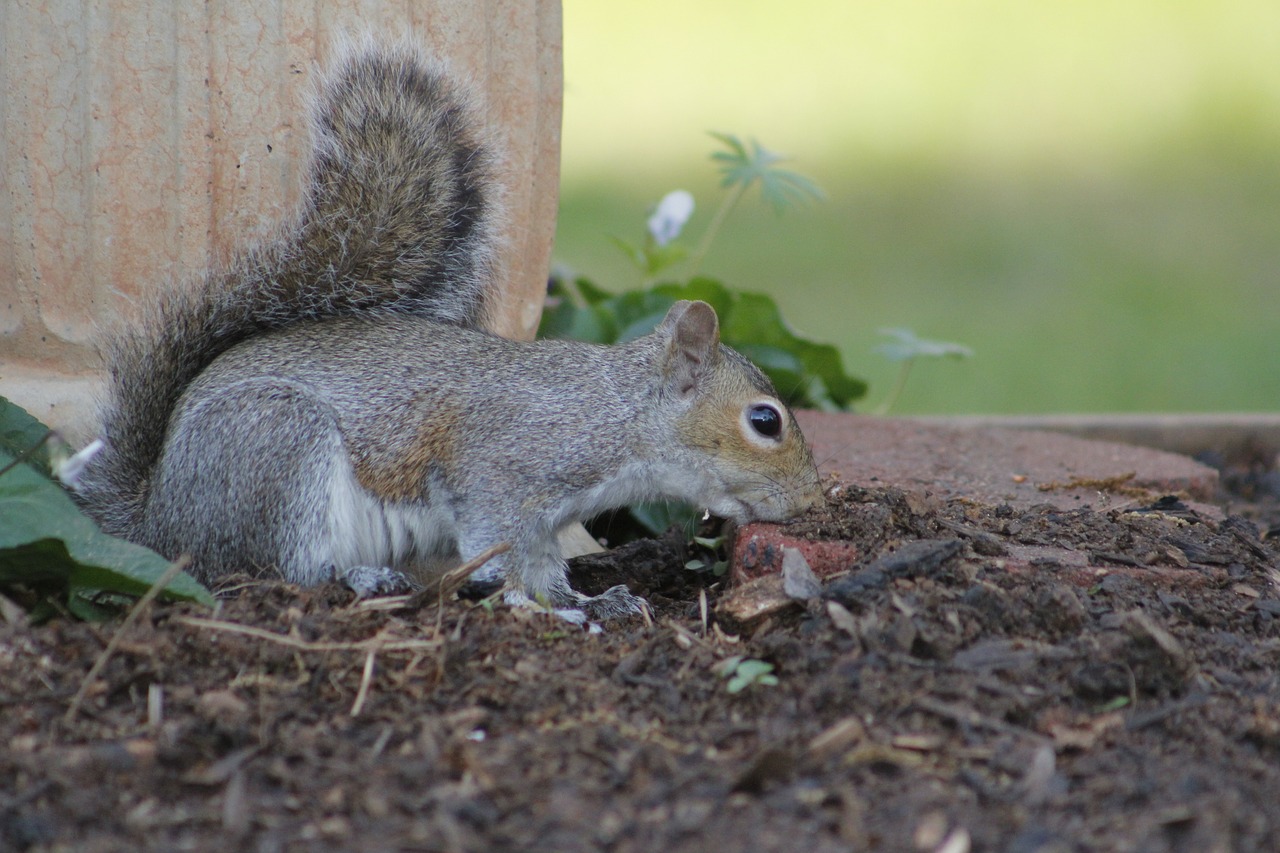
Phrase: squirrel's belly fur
(327,401)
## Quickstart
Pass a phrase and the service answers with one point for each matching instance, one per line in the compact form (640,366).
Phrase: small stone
(798,580)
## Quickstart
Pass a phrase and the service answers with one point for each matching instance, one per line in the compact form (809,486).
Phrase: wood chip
(837,739)
(755,600)
(918,742)
(842,618)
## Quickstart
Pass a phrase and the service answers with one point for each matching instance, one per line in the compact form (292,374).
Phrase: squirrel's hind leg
(251,477)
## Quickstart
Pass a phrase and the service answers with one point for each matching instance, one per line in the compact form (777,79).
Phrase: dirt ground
(932,699)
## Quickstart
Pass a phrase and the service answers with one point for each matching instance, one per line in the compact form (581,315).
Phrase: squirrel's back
(398,216)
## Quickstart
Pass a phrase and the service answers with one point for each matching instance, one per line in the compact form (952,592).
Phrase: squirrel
(328,403)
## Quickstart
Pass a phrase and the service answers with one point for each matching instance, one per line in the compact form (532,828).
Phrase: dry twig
(376,643)
(365,680)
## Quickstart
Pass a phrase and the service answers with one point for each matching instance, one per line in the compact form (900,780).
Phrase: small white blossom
(68,470)
(670,216)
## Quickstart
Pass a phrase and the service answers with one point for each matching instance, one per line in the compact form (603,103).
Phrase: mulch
(944,693)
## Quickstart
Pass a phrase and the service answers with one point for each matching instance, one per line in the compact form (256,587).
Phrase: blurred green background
(1086,193)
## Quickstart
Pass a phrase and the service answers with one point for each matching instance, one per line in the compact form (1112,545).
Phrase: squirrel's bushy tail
(399,216)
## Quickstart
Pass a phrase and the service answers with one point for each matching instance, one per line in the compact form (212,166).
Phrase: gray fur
(327,403)
(398,218)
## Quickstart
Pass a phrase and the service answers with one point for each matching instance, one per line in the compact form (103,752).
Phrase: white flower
(69,469)
(670,216)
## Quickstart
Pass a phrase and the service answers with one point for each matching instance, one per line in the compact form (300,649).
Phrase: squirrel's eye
(765,420)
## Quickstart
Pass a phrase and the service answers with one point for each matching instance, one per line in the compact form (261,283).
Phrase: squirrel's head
(742,454)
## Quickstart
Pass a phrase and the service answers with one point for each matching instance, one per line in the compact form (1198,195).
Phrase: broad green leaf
(757,329)
(659,516)
(636,313)
(19,432)
(47,542)
(773,359)
(707,290)
(564,319)
(591,294)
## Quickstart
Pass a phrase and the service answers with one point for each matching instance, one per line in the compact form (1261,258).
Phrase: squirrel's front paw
(371,581)
(614,602)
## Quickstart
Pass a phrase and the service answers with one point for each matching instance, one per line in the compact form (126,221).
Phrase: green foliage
(743,672)
(745,164)
(650,258)
(710,557)
(659,517)
(1138,248)
(806,374)
(1114,704)
(49,548)
(741,167)
(715,569)
(24,438)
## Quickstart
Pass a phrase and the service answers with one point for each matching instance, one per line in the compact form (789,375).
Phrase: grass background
(1086,193)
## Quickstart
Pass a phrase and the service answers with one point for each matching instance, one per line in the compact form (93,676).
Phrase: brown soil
(933,699)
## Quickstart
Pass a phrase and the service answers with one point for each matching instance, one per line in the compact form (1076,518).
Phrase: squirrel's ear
(694,344)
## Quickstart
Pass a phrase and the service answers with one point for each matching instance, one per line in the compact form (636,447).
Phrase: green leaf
(47,543)
(751,671)
(706,290)
(1114,704)
(591,294)
(727,667)
(810,375)
(564,318)
(634,314)
(907,346)
(651,259)
(20,432)
(659,516)
(745,165)
(659,258)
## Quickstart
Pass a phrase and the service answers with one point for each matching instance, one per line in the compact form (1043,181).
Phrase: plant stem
(722,213)
(26,454)
(896,391)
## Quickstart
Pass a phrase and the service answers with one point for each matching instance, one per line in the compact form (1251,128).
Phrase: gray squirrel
(327,402)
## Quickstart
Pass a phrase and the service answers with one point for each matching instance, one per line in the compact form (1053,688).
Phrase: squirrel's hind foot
(374,581)
(613,603)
